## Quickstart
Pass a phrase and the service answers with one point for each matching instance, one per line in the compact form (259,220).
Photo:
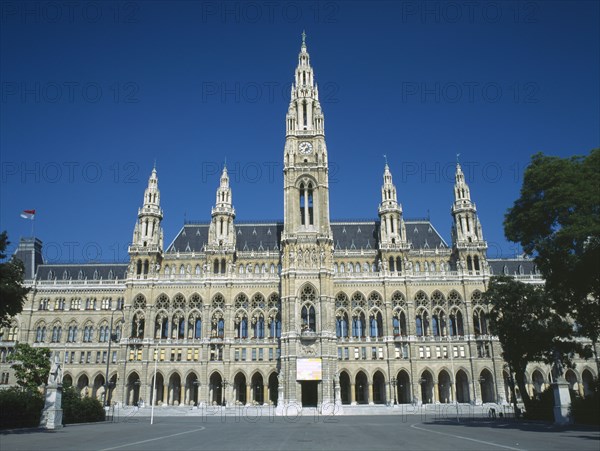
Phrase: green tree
(528,327)
(31,365)
(12,291)
(557,220)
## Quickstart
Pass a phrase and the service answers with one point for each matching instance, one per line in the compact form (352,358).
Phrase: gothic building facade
(307,310)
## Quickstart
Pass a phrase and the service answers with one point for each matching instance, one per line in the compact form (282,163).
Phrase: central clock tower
(308,336)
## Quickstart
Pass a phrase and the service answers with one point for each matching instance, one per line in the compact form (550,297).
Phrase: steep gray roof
(83,271)
(512,266)
(257,236)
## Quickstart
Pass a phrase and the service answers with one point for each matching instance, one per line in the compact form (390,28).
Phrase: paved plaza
(310,432)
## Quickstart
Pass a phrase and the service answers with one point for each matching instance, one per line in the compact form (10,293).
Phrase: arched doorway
(462,387)
(215,388)
(345,387)
(445,387)
(192,385)
(239,389)
(486,384)
(571,378)
(175,397)
(507,382)
(379,388)
(112,384)
(159,388)
(537,380)
(83,385)
(258,389)
(426,387)
(587,379)
(67,380)
(98,387)
(361,389)
(273,388)
(404,391)
(133,389)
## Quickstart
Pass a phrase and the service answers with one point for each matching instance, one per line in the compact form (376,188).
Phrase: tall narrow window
(302,201)
(304,114)
(310,204)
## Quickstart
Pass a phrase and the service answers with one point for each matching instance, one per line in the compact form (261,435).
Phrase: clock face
(305,147)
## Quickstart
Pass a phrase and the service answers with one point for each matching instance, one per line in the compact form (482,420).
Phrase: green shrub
(80,410)
(541,408)
(587,410)
(19,408)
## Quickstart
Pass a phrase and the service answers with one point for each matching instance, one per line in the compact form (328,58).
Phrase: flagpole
(32,230)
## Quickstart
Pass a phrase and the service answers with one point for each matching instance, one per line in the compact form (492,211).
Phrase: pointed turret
(392,230)
(306,195)
(304,113)
(221,233)
(147,244)
(467,236)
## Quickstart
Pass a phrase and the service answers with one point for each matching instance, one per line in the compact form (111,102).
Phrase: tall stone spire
(304,112)
(147,244)
(221,234)
(392,230)
(148,231)
(467,236)
(305,166)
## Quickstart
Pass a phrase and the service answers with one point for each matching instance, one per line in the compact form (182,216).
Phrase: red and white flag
(28,214)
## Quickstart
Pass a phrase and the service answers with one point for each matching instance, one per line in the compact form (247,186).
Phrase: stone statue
(56,375)
(557,367)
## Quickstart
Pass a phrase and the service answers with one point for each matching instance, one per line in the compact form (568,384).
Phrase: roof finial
(225,163)
(385,158)
(303,37)
(457,155)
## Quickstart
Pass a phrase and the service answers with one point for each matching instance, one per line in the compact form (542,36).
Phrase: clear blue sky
(93,93)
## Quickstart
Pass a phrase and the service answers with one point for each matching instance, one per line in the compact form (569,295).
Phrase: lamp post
(393,394)
(225,384)
(108,358)
(195,393)
(453,380)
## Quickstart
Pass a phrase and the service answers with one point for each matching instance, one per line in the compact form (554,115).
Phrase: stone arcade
(307,310)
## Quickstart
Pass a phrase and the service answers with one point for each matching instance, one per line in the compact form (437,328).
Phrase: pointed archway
(403,387)
(215,388)
(462,387)
(345,387)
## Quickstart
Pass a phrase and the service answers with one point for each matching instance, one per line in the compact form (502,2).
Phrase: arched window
(419,325)
(359,325)
(479,322)
(198,271)
(275,327)
(341,327)
(403,329)
(243,327)
(259,327)
(198,328)
(435,326)
(308,318)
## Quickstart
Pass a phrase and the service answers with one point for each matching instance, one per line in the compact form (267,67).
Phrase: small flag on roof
(28,214)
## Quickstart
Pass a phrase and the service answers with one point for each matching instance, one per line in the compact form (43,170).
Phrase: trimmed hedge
(80,410)
(541,408)
(19,408)
(587,410)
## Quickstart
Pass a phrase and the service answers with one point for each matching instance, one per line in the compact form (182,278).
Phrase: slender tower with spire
(221,234)
(467,236)
(307,247)
(147,245)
